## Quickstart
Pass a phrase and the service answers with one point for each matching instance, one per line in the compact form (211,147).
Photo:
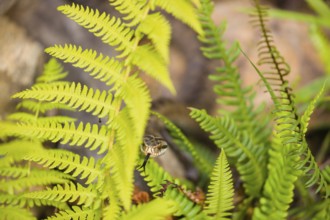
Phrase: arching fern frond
(151,210)
(104,68)
(90,135)
(76,165)
(111,30)
(53,71)
(26,117)
(220,195)
(183,10)
(34,178)
(41,107)
(158,30)
(12,212)
(69,192)
(133,10)
(74,95)
(238,146)
(76,213)
(13,200)
(148,60)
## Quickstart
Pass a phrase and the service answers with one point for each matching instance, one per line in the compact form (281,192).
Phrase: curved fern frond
(29,118)
(69,192)
(41,107)
(151,210)
(112,210)
(53,71)
(111,30)
(132,9)
(76,213)
(20,201)
(34,178)
(182,142)
(238,146)
(16,150)
(183,10)
(137,98)
(220,196)
(101,67)
(90,135)
(12,212)
(74,95)
(148,60)
(158,30)
(77,166)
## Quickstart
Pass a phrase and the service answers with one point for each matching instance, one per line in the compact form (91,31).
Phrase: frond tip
(219,200)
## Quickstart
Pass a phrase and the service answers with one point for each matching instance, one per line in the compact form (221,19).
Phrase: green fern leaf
(30,118)
(69,192)
(151,210)
(91,136)
(20,201)
(99,66)
(133,10)
(183,10)
(12,212)
(34,178)
(220,196)
(76,213)
(53,71)
(16,150)
(112,210)
(41,107)
(74,95)
(74,164)
(111,30)
(137,98)
(150,61)
(238,146)
(157,28)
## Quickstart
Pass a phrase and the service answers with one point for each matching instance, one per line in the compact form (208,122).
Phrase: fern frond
(154,175)
(101,67)
(308,163)
(41,107)
(112,210)
(182,142)
(183,10)
(53,71)
(148,60)
(76,165)
(74,95)
(76,213)
(20,201)
(158,30)
(111,30)
(132,10)
(69,192)
(137,98)
(30,118)
(151,210)
(220,196)
(31,179)
(12,212)
(90,135)
(16,150)
(123,156)
(231,94)
(238,146)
